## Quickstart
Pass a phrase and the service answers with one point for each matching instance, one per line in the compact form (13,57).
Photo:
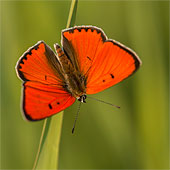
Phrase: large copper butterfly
(87,63)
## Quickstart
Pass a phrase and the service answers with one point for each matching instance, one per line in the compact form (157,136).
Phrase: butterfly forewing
(82,43)
(40,64)
(103,61)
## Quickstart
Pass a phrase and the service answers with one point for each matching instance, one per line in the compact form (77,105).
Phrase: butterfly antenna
(104,102)
(74,125)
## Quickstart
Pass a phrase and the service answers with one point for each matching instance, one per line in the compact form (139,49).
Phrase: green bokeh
(134,137)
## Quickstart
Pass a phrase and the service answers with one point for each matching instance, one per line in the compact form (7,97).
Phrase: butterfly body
(74,82)
(87,63)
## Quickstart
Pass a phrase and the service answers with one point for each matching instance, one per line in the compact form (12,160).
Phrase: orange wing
(43,93)
(104,62)
(41,101)
(39,63)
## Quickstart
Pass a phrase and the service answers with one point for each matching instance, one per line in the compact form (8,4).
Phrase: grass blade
(47,155)
(72,14)
(48,158)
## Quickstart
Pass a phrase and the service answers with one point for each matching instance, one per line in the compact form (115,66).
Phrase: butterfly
(87,63)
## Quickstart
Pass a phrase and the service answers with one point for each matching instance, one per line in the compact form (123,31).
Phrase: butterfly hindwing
(41,101)
(103,61)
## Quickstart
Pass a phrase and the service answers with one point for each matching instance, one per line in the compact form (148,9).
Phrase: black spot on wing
(30,52)
(58,103)
(49,105)
(21,62)
(86,28)
(112,76)
(36,47)
(25,57)
(79,29)
(104,80)
(92,29)
(89,58)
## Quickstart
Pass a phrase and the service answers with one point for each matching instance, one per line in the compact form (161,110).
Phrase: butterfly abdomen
(75,85)
(64,60)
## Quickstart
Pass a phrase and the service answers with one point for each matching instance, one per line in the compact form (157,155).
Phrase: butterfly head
(82,98)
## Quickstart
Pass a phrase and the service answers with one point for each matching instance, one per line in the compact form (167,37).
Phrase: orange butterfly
(88,63)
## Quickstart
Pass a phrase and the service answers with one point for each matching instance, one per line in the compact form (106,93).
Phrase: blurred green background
(133,137)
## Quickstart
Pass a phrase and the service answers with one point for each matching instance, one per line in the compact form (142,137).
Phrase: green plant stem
(72,14)
(40,144)
(48,158)
(48,150)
